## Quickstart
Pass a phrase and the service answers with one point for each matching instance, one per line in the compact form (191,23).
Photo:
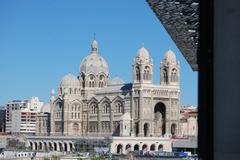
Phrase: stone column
(58,147)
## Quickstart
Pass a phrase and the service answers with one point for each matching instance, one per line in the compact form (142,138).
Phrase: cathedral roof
(117,88)
(115,80)
(69,80)
(170,56)
(94,63)
(143,54)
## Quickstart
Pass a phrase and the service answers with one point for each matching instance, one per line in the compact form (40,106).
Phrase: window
(91,81)
(146,74)
(137,73)
(94,108)
(101,81)
(118,107)
(165,76)
(106,108)
(174,77)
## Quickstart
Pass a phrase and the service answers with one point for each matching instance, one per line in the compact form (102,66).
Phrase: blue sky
(42,40)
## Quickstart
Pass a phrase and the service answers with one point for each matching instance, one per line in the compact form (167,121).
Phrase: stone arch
(31,145)
(50,146)
(146,129)
(55,148)
(128,148)
(45,146)
(136,127)
(160,147)
(160,118)
(144,147)
(173,129)
(40,146)
(60,146)
(119,148)
(71,146)
(136,147)
(152,147)
(35,146)
(65,147)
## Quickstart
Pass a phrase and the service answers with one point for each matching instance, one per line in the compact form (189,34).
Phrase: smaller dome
(69,80)
(45,108)
(125,117)
(143,53)
(170,56)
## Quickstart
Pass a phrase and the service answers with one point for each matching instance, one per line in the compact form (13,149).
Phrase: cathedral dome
(94,63)
(170,56)
(143,53)
(45,108)
(69,80)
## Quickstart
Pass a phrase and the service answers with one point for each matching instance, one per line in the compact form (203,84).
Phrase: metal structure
(180,18)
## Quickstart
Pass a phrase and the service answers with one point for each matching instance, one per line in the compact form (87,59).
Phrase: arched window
(101,81)
(174,77)
(94,108)
(146,74)
(70,90)
(118,107)
(106,108)
(78,115)
(91,81)
(165,76)
(137,73)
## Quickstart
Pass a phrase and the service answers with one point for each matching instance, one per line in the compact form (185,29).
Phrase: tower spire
(94,44)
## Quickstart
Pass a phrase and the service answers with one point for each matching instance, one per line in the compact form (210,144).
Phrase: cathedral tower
(169,69)
(142,67)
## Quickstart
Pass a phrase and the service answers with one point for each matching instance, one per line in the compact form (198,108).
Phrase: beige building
(91,104)
(188,121)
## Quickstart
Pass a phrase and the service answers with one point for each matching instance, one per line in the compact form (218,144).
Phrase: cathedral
(92,104)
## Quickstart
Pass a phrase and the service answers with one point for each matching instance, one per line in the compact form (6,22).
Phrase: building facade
(2,120)
(91,104)
(189,121)
(21,116)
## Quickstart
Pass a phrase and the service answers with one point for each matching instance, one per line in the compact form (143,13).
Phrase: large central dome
(94,63)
